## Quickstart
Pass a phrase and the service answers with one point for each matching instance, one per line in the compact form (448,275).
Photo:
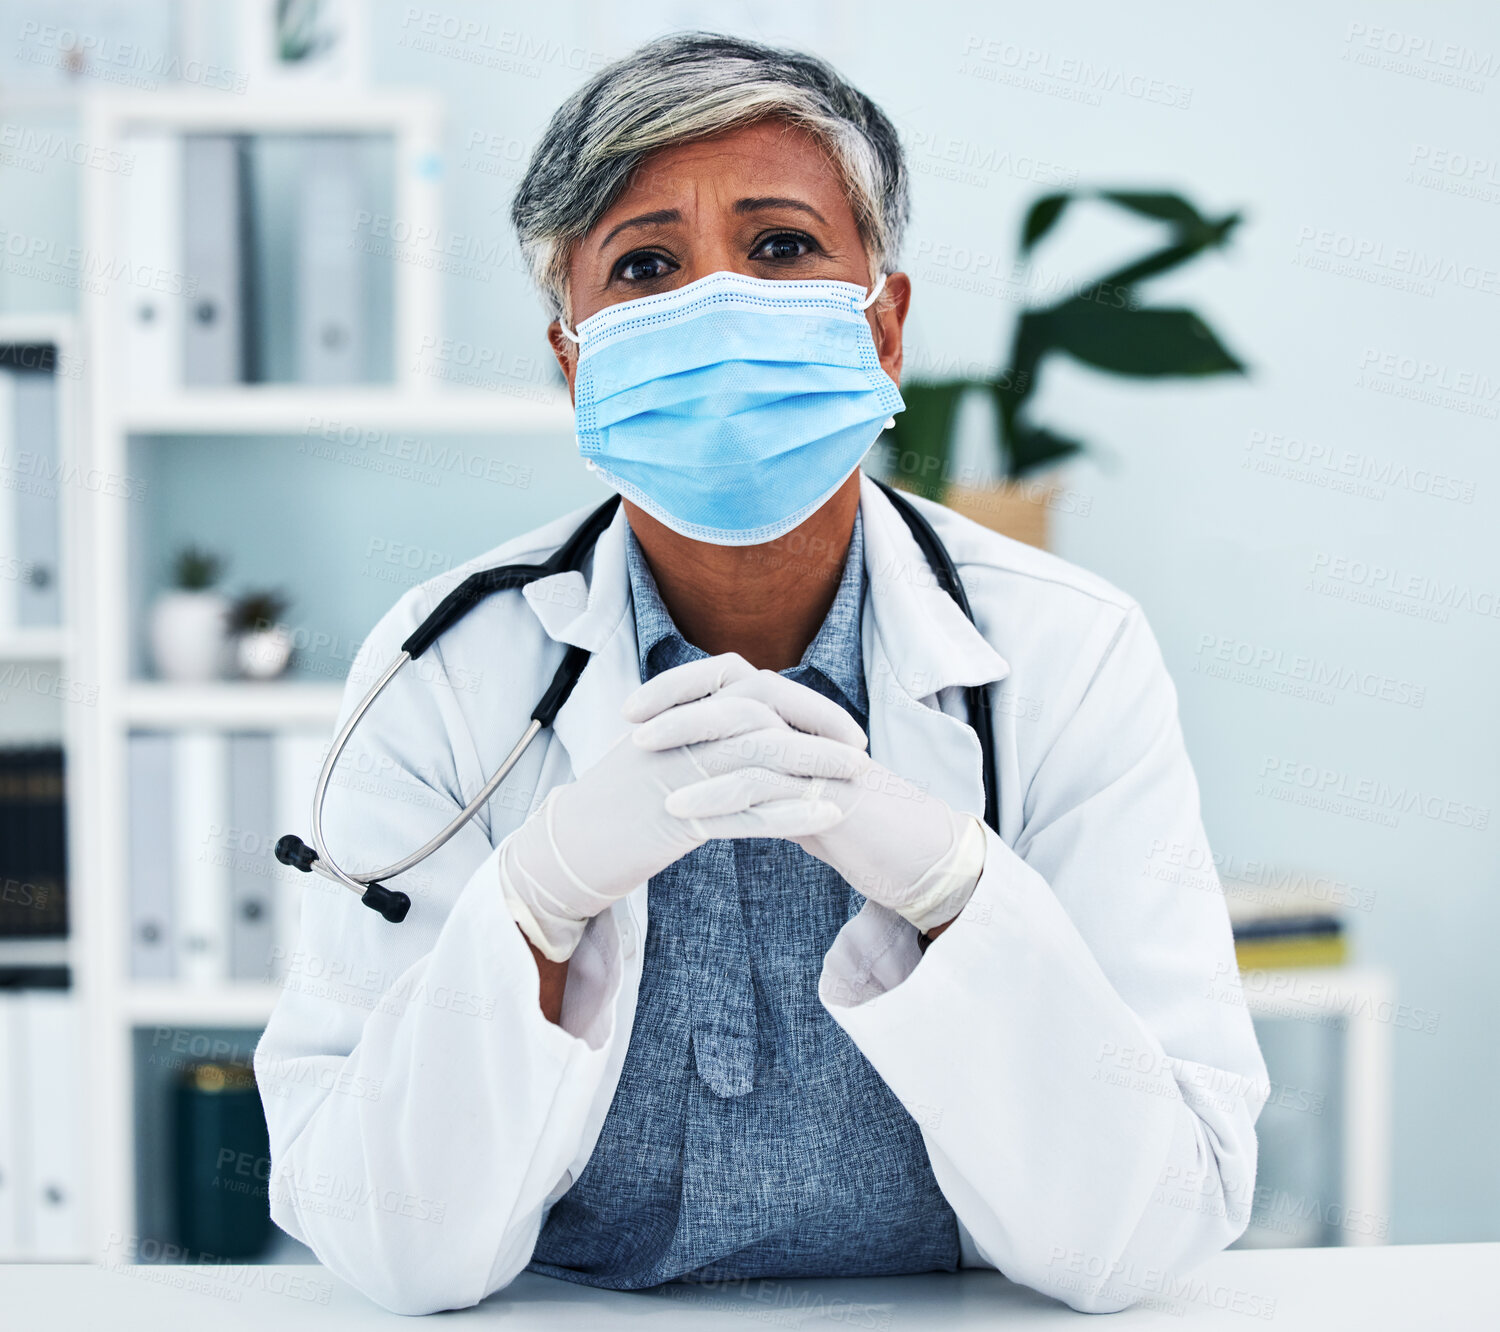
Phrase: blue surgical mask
(732,408)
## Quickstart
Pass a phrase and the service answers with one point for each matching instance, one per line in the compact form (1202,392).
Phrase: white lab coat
(1074,1048)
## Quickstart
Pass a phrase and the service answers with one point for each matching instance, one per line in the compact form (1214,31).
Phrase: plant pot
(263,654)
(1018,509)
(188,642)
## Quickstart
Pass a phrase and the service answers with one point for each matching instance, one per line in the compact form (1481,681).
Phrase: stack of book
(33,844)
(259,261)
(1284,924)
(208,900)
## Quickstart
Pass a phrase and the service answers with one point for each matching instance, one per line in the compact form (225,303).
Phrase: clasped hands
(720,749)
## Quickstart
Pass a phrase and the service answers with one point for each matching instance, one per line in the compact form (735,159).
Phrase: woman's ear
(887,318)
(565,351)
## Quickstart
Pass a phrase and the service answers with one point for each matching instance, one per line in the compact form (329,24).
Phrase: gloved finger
(682,684)
(776,818)
(715,718)
(735,792)
(782,750)
(798,706)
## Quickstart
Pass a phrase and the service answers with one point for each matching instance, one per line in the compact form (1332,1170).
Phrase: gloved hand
(899,846)
(592,841)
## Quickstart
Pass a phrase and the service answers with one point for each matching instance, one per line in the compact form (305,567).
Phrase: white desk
(1445,1287)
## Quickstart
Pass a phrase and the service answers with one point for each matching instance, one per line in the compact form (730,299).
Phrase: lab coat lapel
(916,641)
(598,618)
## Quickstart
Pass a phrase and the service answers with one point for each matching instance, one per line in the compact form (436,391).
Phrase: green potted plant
(1104,324)
(188,620)
(262,644)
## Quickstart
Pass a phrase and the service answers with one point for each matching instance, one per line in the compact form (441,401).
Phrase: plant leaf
(1148,342)
(1017,381)
(1040,219)
(1169,257)
(1163,207)
(1032,447)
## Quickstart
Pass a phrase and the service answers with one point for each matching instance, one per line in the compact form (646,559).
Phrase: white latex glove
(899,846)
(592,841)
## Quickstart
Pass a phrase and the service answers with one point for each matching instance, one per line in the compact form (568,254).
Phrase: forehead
(769,157)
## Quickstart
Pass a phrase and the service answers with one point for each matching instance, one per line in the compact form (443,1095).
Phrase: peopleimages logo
(1326,465)
(1333,786)
(1466,391)
(1373,259)
(1074,77)
(1221,656)
(1389,588)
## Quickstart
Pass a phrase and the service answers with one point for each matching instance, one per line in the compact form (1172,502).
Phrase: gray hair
(685,87)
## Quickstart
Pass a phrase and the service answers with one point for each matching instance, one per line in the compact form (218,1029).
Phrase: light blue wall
(1282,120)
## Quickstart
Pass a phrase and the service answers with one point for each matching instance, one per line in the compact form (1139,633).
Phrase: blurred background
(1206,301)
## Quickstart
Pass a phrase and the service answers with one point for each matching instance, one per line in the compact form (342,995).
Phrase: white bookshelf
(34,644)
(118,1006)
(277,410)
(232,705)
(60,650)
(231,1004)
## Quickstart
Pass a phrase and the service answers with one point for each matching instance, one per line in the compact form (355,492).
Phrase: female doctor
(730,978)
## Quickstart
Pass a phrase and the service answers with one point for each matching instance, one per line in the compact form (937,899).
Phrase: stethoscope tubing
(359,883)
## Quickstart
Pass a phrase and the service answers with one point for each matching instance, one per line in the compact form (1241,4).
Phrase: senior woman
(732,978)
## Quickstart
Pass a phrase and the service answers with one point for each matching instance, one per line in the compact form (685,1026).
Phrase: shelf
(233,704)
(231,1004)
(33,644)
(333,417)
(32,328)
(33,952)
(309,111)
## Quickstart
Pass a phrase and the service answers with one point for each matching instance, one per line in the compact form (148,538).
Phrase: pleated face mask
(731,408)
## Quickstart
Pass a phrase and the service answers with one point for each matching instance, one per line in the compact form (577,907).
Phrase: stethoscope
(392,904)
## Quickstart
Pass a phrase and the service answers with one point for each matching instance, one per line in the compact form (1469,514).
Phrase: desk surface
(1442,1286)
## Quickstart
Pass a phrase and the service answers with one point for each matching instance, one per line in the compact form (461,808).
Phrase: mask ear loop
(577,341)
(868,301)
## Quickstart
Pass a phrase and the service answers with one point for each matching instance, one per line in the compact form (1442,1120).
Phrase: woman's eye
(782,246)
(643,266)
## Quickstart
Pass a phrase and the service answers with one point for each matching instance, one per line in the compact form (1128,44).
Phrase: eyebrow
(741,206)
(774,201)
(644,220)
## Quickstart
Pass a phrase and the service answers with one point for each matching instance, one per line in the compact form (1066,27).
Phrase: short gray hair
(691,86)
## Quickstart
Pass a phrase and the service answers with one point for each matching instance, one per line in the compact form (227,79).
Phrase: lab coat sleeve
(421,1108)
(1075,1045)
